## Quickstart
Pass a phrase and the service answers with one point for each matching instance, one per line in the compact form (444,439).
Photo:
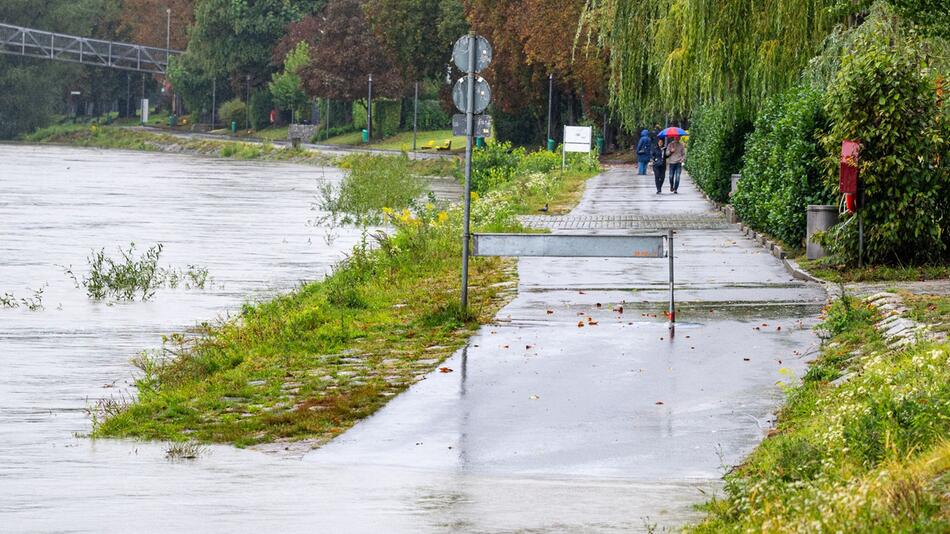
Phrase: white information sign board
(576,139)
(144,110)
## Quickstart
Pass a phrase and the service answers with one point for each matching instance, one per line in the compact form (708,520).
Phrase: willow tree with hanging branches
(671,56)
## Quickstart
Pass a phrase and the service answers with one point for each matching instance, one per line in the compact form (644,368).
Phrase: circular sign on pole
(482,94)
(483,53)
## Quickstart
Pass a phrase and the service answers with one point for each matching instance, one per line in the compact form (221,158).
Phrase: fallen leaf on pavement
(444,370)
(746,359)
(580,324)
(550,312)
(659,403)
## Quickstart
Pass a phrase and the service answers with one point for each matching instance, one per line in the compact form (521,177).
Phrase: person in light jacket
(643,152)
(675,155)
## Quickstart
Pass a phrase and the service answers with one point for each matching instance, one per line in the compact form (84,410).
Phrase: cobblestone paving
(625,222)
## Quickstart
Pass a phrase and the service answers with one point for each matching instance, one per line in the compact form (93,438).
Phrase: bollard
(820,218)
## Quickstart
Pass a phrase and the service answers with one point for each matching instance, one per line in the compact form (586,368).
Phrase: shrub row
(497,164)
(883,95)
(783,172)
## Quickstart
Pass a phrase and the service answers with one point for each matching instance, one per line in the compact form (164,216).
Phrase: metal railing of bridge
(19,41)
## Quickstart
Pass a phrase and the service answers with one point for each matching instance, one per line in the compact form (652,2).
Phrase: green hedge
(386,117)
(782,172)
(262,102)
(716,141)
(233,110)
(431,116)
(884,99)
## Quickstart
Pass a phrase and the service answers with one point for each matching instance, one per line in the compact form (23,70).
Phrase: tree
(675,55)
(140,19)
(31,89)
(343,53)
(417,34)
(931,15)
(286,87)
(532,39)
(237,37)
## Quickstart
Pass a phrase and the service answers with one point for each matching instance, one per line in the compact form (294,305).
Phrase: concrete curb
(791,266)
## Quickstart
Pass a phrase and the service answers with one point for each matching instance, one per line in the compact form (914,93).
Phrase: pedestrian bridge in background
(28,42)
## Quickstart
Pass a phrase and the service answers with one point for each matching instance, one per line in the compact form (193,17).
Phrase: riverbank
(118,137)
(309,365)
(861,443)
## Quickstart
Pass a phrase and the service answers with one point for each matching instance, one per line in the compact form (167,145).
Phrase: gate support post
(669,252)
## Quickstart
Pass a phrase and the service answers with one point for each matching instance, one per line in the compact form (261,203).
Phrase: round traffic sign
(482,94)
(483,53)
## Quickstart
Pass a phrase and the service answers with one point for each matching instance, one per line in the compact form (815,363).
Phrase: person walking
(658,159)
(643,152)
(675,154)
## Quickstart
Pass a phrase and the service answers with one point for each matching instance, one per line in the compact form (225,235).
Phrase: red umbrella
(673,131)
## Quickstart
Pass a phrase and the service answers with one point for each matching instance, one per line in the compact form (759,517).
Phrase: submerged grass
(861,445)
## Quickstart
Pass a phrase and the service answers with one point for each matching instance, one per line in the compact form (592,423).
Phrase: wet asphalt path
(647,418)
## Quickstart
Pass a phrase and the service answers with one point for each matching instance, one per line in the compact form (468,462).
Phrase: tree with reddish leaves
(146,21)
(418,34)
(344,51)
(533,39)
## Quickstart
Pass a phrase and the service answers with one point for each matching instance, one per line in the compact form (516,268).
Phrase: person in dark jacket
(658,159)
(643,152)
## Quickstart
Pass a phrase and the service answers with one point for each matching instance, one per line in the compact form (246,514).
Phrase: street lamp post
(369,111)
(550,96)
(168,46)
(415,117)
(247,106)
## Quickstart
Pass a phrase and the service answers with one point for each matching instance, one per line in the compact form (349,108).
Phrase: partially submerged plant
(33,303)
(125,279)
(188,450)
(133,277)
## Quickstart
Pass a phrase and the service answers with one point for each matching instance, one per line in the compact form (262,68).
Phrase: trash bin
(599,140)
(172,121)
(734,183)
(551,145)
(233,126)
(480,142)
(820,218)
(365,136)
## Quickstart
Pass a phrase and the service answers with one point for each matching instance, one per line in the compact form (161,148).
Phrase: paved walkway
(572,414)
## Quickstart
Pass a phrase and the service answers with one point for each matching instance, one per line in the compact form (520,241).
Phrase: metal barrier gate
(580,246)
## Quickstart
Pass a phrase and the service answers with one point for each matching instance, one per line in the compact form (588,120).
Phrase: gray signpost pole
(469,127)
